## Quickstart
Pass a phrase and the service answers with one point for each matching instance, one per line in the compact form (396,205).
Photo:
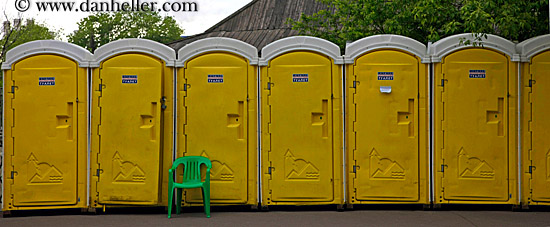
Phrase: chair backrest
(192,167)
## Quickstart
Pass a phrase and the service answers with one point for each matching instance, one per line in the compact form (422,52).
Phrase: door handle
(320,118)
(148,120)
(407,118)
(65,121)
(236,120)
(495,117)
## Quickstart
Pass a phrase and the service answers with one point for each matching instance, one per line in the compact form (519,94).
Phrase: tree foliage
(18,33)
(425,20)
(107,27)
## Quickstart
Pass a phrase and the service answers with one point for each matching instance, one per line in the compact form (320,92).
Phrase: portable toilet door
(475,118)
(535,85)
(132,123)
(387,120)
(217,117)
(301,151)
(45,106)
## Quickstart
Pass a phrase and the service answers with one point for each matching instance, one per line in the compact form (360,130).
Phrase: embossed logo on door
(126,171)
(299,169)
(220,171)
(384,167)
(42,172)
(473,167)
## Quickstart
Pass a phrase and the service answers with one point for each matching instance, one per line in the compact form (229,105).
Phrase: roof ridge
(250,30)
(204,33)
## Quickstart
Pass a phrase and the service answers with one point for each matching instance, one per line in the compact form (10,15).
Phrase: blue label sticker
(46,81)
(129,79)
(297,78)
(385,75)
(215,79)
(477,74)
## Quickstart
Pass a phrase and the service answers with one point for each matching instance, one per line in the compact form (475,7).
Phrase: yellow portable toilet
(301,122)
(387,121)
(45,126)
(132,123)
(535,145)
(475,121)
(217,117)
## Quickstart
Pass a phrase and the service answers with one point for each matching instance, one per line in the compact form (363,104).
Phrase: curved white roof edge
(293,43)
(72,51)
(445,46)
(145,46)
(533,46)
(217,44)
(359,47)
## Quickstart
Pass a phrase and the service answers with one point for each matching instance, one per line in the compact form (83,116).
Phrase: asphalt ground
(285,218)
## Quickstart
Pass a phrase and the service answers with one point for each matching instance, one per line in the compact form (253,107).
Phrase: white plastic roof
(69,50)
(294,43)
(359,47)
(533,46)
(217,44)
(445,46)
(145,46)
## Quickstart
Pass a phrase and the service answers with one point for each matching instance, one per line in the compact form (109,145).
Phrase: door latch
(531,168)
(443,167)
(98,172)
(443,82)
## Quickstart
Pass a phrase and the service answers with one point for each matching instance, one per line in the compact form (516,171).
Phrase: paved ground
(295,218)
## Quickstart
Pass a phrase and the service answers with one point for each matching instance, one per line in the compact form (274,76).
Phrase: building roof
(258,23)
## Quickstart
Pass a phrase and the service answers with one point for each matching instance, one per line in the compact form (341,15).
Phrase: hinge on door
(163,103)
(13,174)
(269,86)
(269,170)
(184,87)
(355,167)
(531,82)
(13,89)
(100,87)
(443,82)
(98,171)
(531,168)
(355,84)
(443,168)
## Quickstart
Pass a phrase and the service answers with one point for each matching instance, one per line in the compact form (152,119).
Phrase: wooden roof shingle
(258,23)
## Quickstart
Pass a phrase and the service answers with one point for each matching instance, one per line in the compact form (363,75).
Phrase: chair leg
(170,202)
(179,192)
(206,200)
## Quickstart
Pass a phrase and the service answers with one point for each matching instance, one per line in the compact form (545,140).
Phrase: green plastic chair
(191,179)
